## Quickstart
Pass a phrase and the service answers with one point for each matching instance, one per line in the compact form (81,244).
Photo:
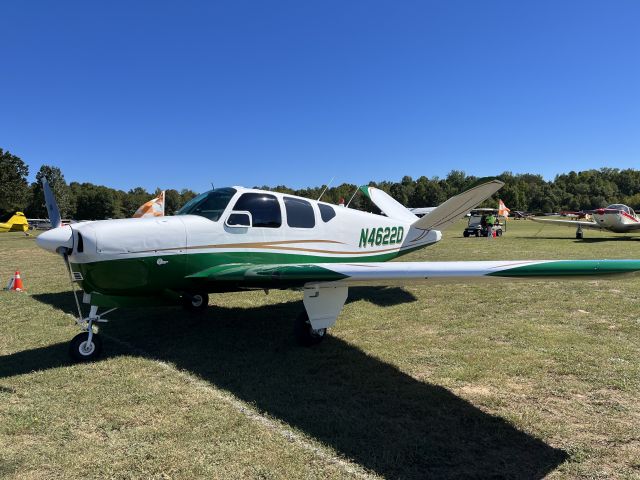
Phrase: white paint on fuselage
(614,221)
(338,238)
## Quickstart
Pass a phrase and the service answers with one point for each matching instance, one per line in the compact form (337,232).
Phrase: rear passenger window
(264,208)
(326,212)
(299,213)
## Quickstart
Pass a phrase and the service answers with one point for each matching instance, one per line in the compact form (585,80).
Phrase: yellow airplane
(14,223)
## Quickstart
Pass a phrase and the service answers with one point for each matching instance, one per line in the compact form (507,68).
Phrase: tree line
(584,190)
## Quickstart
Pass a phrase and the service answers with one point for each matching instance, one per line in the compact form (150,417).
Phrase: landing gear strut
(579,234)
(306,335)
(87,346)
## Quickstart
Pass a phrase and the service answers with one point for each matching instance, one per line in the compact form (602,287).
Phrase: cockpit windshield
(209,204)
(619,206)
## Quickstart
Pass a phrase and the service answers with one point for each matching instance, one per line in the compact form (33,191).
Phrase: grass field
(503,379)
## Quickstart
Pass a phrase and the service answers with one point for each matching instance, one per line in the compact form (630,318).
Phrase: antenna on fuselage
(352,196)
(326,188)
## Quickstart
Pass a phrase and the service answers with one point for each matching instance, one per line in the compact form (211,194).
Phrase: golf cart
(477,228)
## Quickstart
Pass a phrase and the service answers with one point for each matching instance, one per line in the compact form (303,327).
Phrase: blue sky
(185,94)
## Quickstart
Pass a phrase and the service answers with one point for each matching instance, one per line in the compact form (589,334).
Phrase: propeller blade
(52,206)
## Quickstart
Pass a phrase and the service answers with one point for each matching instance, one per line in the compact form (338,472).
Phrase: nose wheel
(87,345)
(579,234)
(85,348)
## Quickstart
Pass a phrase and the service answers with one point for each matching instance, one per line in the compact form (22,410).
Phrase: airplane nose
(56,238)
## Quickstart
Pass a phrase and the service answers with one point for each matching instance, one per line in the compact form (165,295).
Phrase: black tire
(195,301)
(79,351)
(465,234)
(305,335)
(579,235)
(498,233)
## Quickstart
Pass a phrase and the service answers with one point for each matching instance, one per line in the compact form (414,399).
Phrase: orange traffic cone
(17,283)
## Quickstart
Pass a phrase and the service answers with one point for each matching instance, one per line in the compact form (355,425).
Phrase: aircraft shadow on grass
(366,409)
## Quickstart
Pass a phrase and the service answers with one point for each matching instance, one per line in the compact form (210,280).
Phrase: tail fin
(390,207)
(454,208)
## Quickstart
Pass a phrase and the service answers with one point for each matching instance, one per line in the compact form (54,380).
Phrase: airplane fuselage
(617,221)
(157,256)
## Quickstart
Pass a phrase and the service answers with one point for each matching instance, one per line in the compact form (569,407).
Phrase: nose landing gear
(579,234)
(87,345)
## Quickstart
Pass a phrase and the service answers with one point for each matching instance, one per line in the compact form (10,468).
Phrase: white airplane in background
(616,218)
(235,239)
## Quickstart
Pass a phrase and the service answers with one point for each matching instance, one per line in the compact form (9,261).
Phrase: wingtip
(365,190)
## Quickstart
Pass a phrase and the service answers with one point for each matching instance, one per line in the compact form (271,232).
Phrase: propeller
(60,238)
(52,206)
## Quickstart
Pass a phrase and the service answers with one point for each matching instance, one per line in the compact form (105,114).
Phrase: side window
(326,212)
(299,213)
(264,208)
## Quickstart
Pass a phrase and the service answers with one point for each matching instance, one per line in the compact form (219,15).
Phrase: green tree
(172,201)
(59,187)
(14,188)
(134,199)
(96,202)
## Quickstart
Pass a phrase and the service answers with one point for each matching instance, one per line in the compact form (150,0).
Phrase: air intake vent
(80,248)
(77,276)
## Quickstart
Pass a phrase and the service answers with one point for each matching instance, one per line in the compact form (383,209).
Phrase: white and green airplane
(233,239)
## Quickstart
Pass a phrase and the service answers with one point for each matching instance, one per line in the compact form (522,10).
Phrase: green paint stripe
(571,268)
(268,273)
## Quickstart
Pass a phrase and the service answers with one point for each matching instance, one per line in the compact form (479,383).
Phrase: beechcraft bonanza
(233,239)
(616,218)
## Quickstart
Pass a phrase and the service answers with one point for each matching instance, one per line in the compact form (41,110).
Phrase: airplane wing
(454,208)
(400,273)
(569,223)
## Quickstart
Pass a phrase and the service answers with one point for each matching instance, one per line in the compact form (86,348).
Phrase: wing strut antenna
(326,188)
(352,197)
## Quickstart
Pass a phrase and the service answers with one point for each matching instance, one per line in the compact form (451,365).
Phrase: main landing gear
(305,334)
(322,305)
(579,234)
(87,346)
(195,301)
